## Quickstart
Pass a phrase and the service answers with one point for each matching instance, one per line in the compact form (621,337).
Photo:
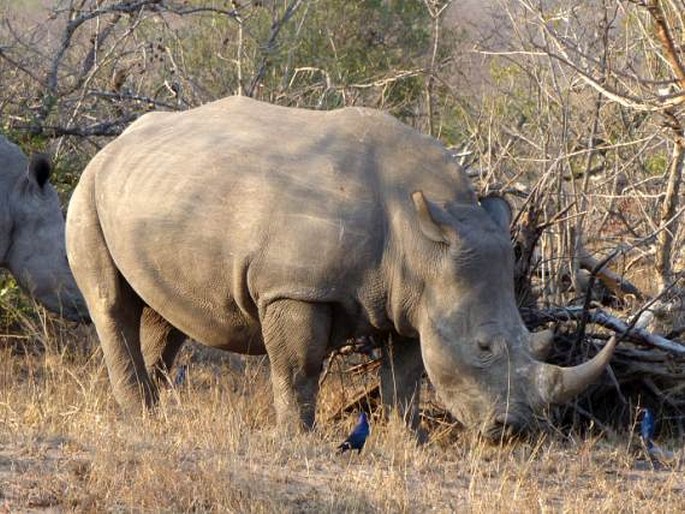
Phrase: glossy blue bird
(180,376)
(647,427)
(357,438)
(657,455)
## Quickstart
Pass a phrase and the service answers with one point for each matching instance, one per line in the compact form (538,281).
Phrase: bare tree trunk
(669,220)
(435,13)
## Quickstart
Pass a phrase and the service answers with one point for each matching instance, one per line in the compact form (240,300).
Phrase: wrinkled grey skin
(32,233)
(262,229)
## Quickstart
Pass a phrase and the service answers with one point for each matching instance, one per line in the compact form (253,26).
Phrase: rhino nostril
(508,424)
(501,419)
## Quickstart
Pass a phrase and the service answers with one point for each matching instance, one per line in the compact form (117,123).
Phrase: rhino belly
(197,300)
(204,237)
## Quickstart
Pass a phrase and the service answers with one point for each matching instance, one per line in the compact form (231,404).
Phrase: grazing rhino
(32,233)
(263,229)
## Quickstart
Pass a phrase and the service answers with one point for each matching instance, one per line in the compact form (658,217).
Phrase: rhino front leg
(160,343)
(296,336)
(401,373)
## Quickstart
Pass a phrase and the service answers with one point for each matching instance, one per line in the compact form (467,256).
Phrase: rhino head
(32,244)
(476,349)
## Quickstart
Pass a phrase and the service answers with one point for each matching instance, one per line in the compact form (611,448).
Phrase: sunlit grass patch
(213,445)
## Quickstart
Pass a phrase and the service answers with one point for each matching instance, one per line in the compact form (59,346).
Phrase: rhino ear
(430,228)
(39,169)
(498,209)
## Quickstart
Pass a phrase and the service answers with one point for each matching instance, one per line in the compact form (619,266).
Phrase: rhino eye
(485,347)
(489,350)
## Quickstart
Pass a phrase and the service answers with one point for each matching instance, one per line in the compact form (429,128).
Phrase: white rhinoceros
(32,233)
(264,229)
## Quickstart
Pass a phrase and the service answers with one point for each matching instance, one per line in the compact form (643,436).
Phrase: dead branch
(669,207)
(535,318)
(270,46)
(663,34)
(107,128)
(435,13)
(616,283)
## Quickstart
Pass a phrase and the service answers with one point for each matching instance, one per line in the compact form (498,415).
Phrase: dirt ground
(52,475)
(213,446)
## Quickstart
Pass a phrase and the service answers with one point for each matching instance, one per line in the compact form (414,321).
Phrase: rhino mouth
(77,315)
(75,310)
(507,425)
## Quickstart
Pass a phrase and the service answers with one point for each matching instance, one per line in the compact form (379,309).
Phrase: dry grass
(213,446)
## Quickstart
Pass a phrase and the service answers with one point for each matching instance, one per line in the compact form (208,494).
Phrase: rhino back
(214,212)
(13,164)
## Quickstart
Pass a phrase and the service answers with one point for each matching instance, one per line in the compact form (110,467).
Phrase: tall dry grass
(213,446)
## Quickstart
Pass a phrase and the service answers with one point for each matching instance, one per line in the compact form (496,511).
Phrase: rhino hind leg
(296,335)
(160,343)
(116,313)
(114,307)
(400,376)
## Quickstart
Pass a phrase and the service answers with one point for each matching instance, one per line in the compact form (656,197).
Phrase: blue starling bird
(656,454)
(180,376)
(357,438)
(647,428)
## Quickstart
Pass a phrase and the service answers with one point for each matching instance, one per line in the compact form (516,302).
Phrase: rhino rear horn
(498,209)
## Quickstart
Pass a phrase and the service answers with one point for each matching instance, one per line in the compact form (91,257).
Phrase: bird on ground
(180,378)
(647,428)
(357,438)
(655,453)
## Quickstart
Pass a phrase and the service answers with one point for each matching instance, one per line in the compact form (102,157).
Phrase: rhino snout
(508,424)
(59,295)
(78,313)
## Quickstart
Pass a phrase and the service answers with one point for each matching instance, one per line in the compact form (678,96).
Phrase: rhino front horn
(558,385)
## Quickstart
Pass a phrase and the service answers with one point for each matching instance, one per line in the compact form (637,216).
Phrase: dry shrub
(556,260)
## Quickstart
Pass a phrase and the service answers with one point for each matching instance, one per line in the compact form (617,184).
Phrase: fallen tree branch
(538,317)
(585,311)
(616,283)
